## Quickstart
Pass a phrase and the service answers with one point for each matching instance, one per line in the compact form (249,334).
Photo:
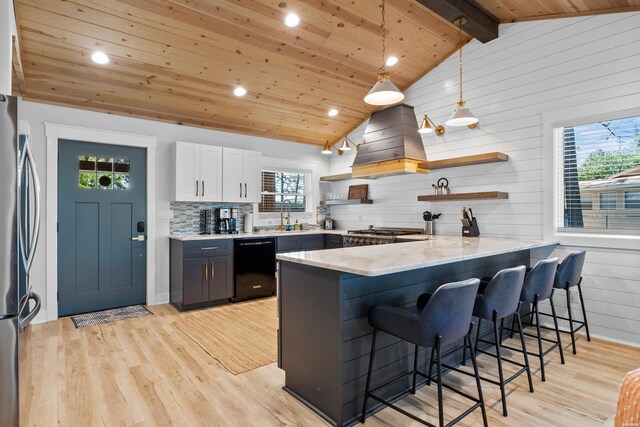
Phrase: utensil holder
(471,230)
(428,228)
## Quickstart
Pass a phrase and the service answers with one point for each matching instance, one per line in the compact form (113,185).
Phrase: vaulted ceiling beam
(479,23)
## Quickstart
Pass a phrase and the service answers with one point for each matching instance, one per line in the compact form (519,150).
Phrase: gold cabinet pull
(206,273)
(213,273)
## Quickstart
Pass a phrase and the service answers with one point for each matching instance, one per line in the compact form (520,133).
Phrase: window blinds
(283,190)
(599,177)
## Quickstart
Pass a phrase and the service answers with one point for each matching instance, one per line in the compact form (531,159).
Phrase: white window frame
(615,200)
(576,115)
(312,189)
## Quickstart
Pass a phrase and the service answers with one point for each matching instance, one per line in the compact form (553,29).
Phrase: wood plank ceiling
(179,60)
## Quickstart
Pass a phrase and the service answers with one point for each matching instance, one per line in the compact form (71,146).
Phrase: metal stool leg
(496,333)
(478,334)
(368,386)
(584,311)
(524,349)
(555,323)
(433,349)
(477,375)
(540,353)
(439,373)
(573,337)
(415,370)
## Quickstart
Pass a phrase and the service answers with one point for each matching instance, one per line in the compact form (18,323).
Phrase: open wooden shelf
(464,196)
(339,177)
(476,159)
(346,202)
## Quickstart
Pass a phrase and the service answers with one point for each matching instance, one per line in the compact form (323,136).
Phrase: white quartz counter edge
(386,259)
(187,237)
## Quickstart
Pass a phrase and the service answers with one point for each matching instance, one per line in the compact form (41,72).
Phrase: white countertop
(385,259)
(269,233)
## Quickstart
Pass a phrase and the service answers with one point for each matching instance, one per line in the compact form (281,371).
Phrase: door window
(105,173)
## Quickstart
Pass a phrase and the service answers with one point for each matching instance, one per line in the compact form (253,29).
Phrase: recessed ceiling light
(100,58)
(239,91)
(292,20)
(391,61)
(332,113)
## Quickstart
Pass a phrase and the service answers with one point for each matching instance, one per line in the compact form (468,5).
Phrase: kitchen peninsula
(324,298)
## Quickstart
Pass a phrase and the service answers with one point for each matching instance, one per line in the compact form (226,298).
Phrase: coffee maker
(226,220)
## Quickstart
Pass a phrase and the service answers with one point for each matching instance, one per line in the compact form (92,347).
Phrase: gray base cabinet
(297,243)
(201,272)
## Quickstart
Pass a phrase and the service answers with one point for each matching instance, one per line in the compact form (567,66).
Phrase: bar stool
(499,299)
(568,275)
(445,319)
(538,287)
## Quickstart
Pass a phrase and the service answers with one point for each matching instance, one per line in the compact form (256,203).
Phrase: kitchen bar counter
(324,337)
(270,233)
(425,251)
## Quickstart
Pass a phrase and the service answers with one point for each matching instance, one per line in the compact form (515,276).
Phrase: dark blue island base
(325,337)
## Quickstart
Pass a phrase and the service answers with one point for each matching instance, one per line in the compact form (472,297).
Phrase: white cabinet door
(232,183)
(187,172)
(210,173)
(252,179)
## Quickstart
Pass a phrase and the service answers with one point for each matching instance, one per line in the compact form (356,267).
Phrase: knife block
(471,230)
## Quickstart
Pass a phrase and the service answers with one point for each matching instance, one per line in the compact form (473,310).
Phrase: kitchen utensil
(442,187)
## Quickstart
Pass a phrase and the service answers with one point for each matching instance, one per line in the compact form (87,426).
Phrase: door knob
(139,238)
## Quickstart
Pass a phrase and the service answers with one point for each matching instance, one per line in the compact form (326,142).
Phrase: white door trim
(55,132)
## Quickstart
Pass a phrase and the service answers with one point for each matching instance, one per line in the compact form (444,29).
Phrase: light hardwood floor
(146,372)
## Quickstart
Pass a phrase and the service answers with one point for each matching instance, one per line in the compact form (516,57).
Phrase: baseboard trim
(162,299)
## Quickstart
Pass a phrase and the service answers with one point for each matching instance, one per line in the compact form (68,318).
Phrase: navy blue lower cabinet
(201,273)
(325,337)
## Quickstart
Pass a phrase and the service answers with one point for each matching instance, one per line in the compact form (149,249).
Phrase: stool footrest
(490,380)
(504,359)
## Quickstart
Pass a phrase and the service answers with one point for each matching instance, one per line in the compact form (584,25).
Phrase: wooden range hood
(391,145)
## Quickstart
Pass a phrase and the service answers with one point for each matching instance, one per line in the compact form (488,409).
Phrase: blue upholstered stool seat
(441,319)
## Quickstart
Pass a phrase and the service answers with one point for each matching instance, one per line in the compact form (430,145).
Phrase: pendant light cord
(460,42)
(382,26)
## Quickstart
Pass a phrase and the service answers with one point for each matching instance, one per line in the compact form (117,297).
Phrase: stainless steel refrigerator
(19,230)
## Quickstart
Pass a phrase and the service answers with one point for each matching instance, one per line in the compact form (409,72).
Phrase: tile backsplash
(186,216)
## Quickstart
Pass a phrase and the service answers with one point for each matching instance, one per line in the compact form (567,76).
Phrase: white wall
(7,30)
(534,67)
(38,114)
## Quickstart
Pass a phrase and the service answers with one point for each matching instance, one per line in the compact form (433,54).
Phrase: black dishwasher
(255,268)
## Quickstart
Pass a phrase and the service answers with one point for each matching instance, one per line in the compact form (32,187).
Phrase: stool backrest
(448,312)
(539,280)
(570,270)
(502,293)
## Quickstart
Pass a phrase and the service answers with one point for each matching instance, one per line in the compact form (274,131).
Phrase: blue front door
(101,226)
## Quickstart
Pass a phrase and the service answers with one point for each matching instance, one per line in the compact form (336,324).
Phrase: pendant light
(326,149)
(461,116)
(384,92)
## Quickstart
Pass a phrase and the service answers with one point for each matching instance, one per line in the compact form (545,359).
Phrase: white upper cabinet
(198,173)
(210,173)
(242,170)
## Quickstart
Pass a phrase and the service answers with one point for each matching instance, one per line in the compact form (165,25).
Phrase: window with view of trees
(283,190)
(599,180)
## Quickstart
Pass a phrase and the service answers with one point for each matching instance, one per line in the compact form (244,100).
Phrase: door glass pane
(87,171)
(121,174)
(105,172)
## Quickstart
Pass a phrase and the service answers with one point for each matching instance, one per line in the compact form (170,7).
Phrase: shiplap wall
(533,67)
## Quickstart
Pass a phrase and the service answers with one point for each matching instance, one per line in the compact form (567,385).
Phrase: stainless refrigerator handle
(26,159)
(24,322)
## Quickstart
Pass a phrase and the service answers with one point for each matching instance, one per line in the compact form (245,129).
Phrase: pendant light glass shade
(384,92)
(326,149)
(461,117)
(425,127)
(345,145)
